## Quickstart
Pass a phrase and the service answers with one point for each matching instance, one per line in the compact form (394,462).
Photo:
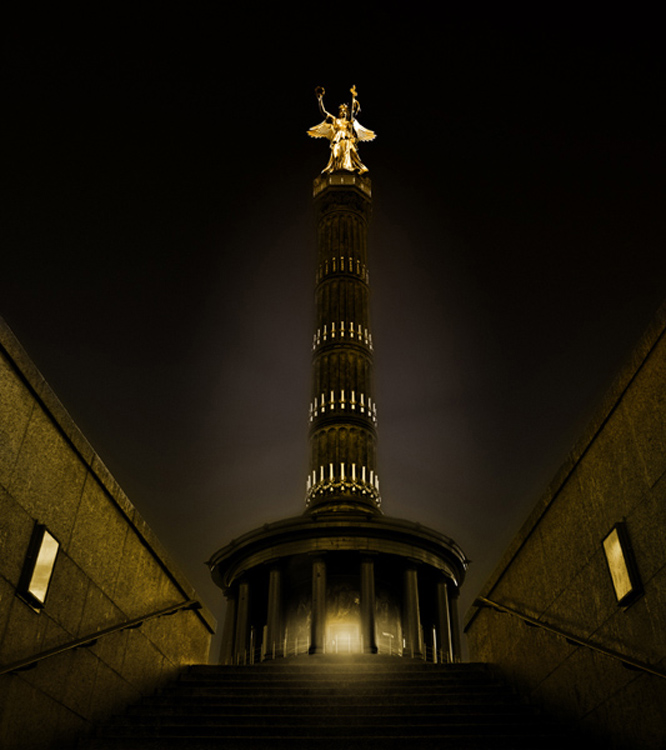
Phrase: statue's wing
(363,134)
(323,130)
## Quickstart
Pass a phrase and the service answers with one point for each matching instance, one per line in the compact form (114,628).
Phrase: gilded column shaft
(343,411)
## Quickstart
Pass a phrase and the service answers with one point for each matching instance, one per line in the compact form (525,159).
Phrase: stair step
(271,725)
(322,729)
(288,708)
(341,664)
(329,693)
(350,742)
(310,674)
(323,702)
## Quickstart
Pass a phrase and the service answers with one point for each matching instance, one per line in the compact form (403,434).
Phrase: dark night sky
(158,248)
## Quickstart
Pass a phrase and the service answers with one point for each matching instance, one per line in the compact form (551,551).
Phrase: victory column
(342,577)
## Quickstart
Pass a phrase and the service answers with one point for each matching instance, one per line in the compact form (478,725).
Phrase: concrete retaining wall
(555,570)
(110,568)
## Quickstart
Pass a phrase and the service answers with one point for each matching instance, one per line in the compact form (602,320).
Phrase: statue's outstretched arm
(319,93)
(355,107)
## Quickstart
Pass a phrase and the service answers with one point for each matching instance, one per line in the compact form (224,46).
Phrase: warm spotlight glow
(343,638)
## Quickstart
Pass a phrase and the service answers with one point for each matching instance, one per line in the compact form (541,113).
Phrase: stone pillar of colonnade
(411,625)
(273,639)
(242,635)
(318,617)
(368,605)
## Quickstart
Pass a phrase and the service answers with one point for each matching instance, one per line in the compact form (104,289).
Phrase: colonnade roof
(338,532)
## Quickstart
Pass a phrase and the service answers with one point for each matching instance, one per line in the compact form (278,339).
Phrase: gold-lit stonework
(344,132)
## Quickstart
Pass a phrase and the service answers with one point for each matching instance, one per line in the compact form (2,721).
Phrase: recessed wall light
(38,568)
(621,564)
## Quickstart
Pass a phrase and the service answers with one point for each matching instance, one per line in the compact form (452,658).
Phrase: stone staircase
(326,702)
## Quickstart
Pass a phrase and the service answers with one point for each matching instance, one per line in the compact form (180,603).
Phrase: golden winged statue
(344,132)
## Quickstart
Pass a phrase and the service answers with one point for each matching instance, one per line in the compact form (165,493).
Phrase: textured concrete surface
(110,569)
(556,571)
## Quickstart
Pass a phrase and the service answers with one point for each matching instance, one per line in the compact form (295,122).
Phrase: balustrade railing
(297,647)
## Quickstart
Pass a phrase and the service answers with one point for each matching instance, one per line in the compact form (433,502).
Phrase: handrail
(627,661)
(91,639)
